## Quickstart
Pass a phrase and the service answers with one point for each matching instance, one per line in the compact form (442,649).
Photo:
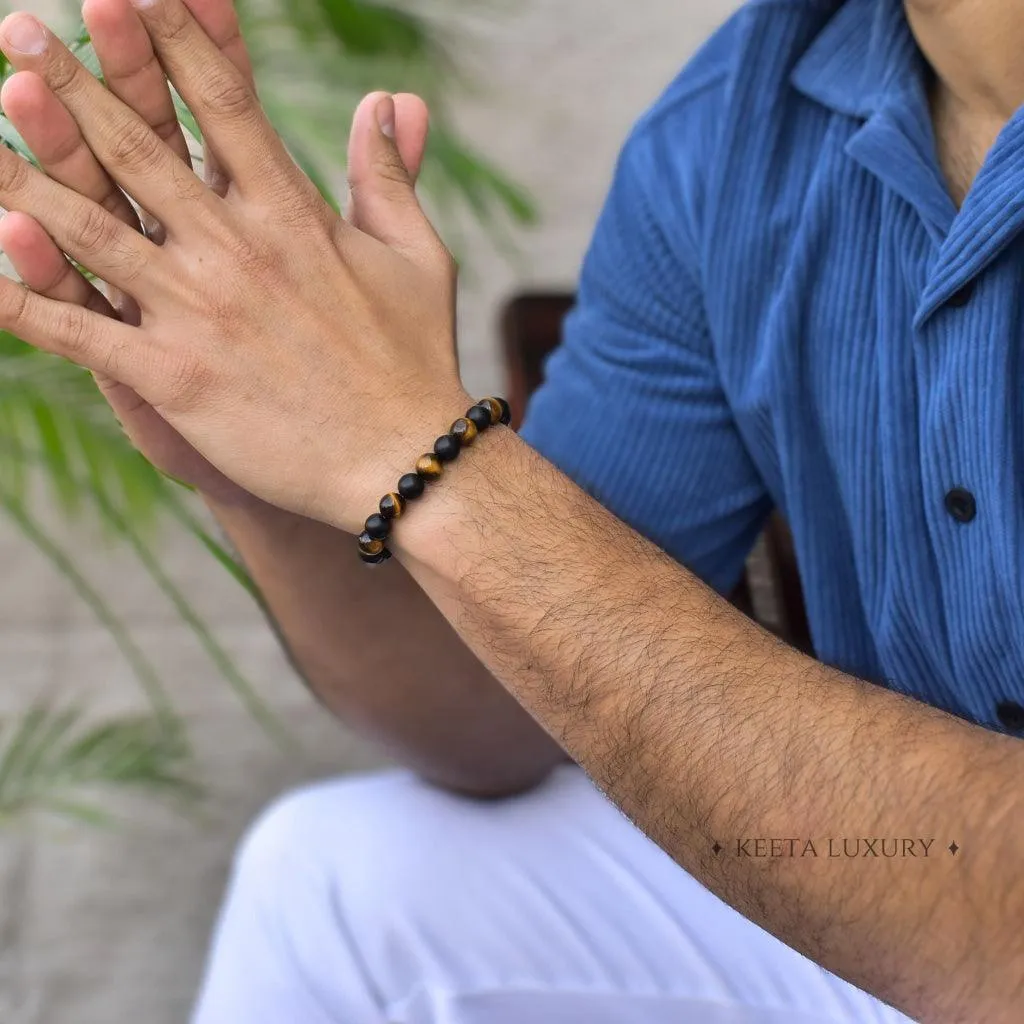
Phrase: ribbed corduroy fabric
(764,321)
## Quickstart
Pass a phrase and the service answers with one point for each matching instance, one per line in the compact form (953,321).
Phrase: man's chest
(870,347)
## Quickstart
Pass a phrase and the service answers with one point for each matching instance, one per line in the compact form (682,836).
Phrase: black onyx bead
(446,447)
(392,506)
(375,559)
(429,466)
(479,417)
(370,545)
(465,430)
(506,411)
(411,486)
(378,527)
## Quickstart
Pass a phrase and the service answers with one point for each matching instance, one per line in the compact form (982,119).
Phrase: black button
(960,504)
(1011,714)
(962,297)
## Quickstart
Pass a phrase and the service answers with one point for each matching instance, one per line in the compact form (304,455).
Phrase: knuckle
(64,76)
(65,150)
(390,169)
(14,174)
(94,231)
(173,24)
(125,76)
(14,312)
(227,95)
(136,147)
(187,186)
(71,331)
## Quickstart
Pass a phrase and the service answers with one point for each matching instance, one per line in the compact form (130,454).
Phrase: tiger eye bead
(411,486)
(429,466)
(465,430)
(479,417)
(378,527)
(370,545)
(493,406)
(506,411)
(392,506)
(377,559)
(446,447)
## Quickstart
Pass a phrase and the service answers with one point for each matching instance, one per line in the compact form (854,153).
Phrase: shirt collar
(864,60)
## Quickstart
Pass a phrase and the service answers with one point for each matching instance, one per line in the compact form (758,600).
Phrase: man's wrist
(446,531)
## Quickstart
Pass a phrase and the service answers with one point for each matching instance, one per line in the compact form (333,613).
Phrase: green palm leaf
(51,760)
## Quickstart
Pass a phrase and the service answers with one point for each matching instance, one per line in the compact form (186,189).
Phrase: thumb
(385,152)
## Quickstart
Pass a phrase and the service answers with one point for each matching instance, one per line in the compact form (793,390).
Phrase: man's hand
(179,374)
(131,72)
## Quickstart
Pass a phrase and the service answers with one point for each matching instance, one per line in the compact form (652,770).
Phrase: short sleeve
(632,407)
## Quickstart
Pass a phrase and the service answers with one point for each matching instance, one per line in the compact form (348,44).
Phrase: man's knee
(363,848)
(314,835)
(390,860)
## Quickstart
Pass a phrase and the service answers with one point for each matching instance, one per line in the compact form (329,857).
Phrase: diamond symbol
(953,848)
(716,848)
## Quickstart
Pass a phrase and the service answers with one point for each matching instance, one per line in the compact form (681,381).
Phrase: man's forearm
(707,730)
(381,657)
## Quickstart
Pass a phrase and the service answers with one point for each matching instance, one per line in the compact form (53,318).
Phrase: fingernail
(386,116)
(24,34)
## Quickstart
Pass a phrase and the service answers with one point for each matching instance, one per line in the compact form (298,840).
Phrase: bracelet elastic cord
(485,414)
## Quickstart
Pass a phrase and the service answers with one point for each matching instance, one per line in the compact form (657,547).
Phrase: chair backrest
(770,591)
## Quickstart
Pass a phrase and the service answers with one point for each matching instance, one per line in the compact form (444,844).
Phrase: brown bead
(429,466)
(465,430)
(370,545)
(495,409)
(392,506)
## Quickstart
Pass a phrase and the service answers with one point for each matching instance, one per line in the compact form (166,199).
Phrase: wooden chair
(770,591)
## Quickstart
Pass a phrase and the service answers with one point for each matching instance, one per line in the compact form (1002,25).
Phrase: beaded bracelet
(463,432)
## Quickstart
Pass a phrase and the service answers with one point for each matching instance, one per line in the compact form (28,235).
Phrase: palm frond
(51,760)
(315,59)
(53,410)
(64,562)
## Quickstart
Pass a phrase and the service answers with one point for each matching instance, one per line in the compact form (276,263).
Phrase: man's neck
(974,48)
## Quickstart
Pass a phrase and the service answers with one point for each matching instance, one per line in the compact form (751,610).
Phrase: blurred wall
(98,927)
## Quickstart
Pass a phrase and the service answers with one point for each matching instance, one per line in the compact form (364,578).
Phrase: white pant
(381,900)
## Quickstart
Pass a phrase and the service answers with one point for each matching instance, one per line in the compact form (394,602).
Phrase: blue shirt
(783,307)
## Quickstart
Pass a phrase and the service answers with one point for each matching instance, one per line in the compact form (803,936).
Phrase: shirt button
(960,504)
(962,297)
(1011,714)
